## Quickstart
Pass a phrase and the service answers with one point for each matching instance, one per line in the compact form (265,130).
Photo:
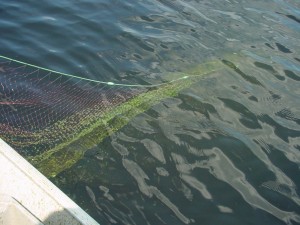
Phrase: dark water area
(224,151)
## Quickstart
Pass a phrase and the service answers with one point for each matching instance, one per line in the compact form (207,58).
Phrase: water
(224,151)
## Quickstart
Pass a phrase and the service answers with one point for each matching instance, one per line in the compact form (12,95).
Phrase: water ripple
(224,151)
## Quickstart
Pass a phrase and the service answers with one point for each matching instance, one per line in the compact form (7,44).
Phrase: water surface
(224,151)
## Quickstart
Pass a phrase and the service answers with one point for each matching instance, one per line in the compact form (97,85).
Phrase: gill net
(52,118)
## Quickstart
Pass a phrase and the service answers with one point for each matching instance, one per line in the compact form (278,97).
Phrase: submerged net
(52,118)
(40,108)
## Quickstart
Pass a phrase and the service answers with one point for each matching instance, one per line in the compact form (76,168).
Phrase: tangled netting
(52,118)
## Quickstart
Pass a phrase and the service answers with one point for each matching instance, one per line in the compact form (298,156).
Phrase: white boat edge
(26,192)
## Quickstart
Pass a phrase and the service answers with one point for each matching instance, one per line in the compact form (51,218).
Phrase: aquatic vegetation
(71,151)
(56,133)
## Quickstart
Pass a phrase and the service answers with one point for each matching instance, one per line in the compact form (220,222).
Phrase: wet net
(40,109)
(52,118)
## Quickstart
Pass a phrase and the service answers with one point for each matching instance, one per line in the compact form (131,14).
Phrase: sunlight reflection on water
(224,151)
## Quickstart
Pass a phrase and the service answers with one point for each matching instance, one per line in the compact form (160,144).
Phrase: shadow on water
(64,217)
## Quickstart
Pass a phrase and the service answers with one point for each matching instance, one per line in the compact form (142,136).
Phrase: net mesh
(52,118)
(39,109)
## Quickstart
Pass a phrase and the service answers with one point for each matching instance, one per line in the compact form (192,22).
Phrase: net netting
(52,118)
(40,109)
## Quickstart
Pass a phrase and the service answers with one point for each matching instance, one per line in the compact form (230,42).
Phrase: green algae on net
(69,117)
